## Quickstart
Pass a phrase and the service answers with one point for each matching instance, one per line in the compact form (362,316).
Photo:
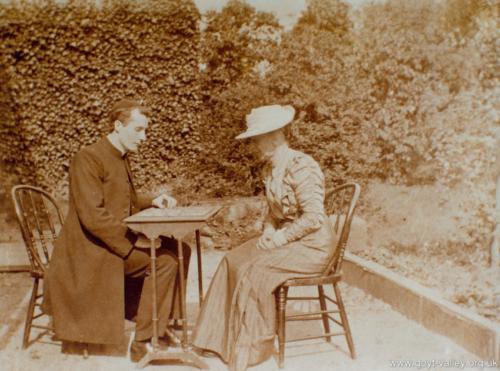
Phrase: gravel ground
(15,289)
(381,336)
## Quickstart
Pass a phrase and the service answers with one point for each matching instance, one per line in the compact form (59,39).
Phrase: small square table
(176,222)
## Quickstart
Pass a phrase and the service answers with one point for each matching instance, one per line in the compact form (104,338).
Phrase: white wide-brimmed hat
(265,119)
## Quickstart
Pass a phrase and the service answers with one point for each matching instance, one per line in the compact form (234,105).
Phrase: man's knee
(167,263)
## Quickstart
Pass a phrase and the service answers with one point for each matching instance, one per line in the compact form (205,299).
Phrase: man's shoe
(138,350)
(169,339)
(164,341)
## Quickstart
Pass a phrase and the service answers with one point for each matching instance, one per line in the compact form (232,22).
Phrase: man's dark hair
(122,109)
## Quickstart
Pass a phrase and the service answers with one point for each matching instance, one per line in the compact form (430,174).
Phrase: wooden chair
(40,220)
(340,205)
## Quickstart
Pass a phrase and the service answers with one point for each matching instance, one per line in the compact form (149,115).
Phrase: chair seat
(312,281)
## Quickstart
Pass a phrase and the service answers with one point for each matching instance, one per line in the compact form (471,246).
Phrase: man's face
(131,134)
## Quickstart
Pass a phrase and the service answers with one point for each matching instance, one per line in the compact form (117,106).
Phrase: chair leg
(343,317)
(29,314)
(282,293)
(324,316)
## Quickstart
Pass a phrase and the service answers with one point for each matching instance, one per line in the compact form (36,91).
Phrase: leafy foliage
(388,92)
(64,66)
(378,92)
(368,87)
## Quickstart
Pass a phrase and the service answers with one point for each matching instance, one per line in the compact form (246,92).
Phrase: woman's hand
(272,240)
(266,242)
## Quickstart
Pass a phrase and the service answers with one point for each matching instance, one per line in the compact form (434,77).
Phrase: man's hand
(164,201)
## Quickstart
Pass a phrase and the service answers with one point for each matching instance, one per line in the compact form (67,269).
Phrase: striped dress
(237,318)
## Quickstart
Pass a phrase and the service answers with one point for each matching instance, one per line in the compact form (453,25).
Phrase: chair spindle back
(40,220)
(340,204)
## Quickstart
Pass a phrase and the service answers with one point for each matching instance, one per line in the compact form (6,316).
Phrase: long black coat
(85,280)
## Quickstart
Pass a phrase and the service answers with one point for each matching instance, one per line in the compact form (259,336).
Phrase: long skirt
(237,318)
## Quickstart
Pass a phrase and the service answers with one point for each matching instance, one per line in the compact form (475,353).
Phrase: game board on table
(177,214)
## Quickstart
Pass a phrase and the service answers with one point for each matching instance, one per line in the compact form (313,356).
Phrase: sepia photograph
(258,185)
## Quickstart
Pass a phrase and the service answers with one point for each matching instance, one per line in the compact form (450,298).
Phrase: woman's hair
(288,133)
(277,136)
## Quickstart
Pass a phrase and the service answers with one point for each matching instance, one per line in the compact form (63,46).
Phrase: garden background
(400,96)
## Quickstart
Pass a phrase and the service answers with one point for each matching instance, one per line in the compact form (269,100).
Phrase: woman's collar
(278,154)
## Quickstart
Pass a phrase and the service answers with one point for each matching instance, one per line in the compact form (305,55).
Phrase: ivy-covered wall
(63,66)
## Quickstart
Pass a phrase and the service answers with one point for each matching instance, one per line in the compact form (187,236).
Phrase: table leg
(200,273)
(154,340)
(182,284)
(156,354)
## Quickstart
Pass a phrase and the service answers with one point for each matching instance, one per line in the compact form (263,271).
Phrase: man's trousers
(137,266)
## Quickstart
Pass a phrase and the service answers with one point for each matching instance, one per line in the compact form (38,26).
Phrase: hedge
(63,66)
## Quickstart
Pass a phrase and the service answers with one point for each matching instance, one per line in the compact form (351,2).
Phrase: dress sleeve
(308,183)
(86,188)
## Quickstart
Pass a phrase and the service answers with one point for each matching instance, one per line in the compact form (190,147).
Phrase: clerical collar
(115,148)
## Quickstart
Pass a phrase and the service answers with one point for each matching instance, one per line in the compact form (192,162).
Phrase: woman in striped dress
(237,318)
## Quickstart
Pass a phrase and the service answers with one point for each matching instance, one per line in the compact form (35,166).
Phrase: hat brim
(270,129)
(254,133)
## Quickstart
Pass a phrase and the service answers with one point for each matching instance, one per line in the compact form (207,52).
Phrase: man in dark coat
(95,250)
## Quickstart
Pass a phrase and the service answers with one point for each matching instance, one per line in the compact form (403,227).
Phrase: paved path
(381,335)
